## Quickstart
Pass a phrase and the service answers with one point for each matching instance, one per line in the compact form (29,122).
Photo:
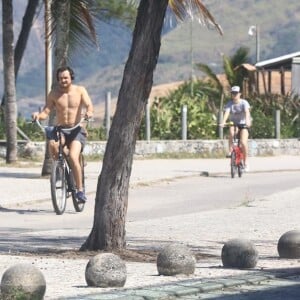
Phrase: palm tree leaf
(81,31)
(211,74)
(229,71)
(191,8)
(82,28)
(124,10)
(240,56)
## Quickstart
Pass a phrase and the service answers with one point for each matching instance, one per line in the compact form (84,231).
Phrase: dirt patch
(129,255)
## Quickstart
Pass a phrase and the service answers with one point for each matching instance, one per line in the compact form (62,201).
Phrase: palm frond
(123,10)
(194,8)
(229,71)
(211,74)
(82,27)
(240,56)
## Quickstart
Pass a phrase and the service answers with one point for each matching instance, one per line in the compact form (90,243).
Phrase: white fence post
(277,124)
(148,122)
(184,122)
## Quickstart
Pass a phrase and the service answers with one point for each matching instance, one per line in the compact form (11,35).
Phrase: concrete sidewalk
(263,222)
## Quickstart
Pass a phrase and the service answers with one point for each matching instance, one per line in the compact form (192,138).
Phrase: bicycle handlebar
(43,128)
(231,124)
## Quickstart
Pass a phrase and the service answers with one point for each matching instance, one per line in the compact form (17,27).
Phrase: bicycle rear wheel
(79,206)
(58,187)
(233,167)
(240,169)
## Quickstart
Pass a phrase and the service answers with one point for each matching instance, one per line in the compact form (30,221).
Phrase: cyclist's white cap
(235,89)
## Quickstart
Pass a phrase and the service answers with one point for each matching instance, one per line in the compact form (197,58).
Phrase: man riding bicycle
(238,112)
(68,100)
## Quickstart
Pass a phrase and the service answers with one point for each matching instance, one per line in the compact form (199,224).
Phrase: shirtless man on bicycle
(68,100)
(238,112)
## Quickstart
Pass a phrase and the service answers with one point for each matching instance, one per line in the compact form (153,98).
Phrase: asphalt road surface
(196,194)
(156,200)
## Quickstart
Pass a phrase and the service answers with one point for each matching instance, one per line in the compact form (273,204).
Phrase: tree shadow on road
(22,175)
(24,211)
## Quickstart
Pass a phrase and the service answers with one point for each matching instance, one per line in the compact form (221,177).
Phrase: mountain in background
(183,46)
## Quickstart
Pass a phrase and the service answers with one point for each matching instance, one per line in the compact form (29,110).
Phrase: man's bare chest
(68,100)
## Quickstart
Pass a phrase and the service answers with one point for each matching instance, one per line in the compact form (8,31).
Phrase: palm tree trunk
(9,81)
(108,231)
(23,36)
(61,13)
(24,33)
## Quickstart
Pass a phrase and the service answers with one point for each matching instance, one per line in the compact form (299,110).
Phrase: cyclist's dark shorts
(242,126)
(77,134)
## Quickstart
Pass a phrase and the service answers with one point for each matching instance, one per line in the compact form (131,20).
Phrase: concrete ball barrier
(175,259)
(289,244)
(23,281)
(106,270)
(239,253)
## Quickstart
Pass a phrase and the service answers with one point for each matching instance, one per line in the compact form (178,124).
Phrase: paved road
(164,198)
(198,194)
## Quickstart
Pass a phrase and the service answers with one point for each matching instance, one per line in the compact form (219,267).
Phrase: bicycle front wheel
(79,206)
(58,187)
(233,166)
(241,164)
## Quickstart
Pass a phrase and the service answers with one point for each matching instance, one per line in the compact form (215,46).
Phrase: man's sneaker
(246,168)
(81,197)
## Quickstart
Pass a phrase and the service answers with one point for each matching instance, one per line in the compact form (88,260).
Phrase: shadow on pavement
(24,211)
(16,241)
(22,175)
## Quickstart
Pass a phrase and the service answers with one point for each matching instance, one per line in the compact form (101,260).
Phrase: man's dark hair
(62,69)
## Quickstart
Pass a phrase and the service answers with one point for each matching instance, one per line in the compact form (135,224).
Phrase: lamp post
(254,29)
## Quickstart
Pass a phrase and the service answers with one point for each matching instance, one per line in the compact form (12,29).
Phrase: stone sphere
(23,281)
(239,253)
(289,244)
(105,270)
(175,259)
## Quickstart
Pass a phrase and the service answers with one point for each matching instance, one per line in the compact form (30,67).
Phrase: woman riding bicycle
(68,100)
(238,112)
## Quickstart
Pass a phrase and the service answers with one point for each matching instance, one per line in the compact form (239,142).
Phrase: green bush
(165,115)
(262,125)
(263,110)
(34,132)
(202,108)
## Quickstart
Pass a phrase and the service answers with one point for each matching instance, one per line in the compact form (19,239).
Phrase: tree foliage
(202,107)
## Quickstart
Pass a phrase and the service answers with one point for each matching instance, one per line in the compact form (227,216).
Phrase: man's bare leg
(244,143)
(53,149)
(74,153)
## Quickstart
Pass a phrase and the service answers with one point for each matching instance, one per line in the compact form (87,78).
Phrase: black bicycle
(62,180)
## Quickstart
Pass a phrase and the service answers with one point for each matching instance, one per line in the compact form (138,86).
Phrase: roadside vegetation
(202,113)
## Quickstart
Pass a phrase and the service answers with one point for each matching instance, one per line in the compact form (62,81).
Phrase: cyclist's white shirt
(237,111)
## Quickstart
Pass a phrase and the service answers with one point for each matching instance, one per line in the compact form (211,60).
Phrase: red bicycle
(237,156)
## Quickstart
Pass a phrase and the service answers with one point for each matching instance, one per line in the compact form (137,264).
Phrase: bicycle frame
(236,147)
(237,155)
(62,181)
